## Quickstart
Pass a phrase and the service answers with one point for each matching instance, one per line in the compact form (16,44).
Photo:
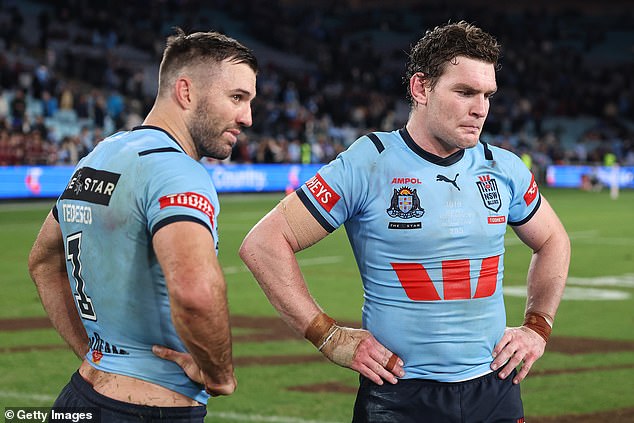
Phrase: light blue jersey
(428,237)
(131,185)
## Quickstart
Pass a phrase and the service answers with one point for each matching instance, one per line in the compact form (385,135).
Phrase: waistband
(85,389)
(463,383)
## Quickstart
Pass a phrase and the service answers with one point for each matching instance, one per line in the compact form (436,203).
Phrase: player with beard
(135,234)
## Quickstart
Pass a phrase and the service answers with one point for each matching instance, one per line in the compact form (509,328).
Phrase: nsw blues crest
(488,187)
(405,204)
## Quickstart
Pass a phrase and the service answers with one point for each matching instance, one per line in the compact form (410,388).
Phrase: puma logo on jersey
(443,178)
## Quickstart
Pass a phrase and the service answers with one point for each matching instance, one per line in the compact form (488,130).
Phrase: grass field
(588,369)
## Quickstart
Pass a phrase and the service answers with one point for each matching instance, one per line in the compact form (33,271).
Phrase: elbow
(249,246)
(190,305)
(34,265)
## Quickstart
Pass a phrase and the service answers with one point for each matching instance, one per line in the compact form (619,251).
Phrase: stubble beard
(206,132)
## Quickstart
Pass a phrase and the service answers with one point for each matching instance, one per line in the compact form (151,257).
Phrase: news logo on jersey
(323,193)
(191,200)
(489,192)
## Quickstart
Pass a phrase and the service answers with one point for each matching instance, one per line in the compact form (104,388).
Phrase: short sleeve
(525,196)
(339,189)
(182,191)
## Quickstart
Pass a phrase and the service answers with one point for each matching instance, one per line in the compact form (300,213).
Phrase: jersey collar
(426,155)
(157,128)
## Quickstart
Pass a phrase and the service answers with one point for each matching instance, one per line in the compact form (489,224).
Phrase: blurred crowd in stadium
(72,72)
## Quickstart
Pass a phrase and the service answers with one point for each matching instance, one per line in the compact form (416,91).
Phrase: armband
(539,323)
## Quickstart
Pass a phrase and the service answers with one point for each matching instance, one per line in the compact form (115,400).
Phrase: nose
(480,106)
(245,118)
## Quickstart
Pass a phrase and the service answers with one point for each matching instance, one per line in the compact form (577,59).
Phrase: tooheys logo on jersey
(531,192)
(323,193)
(192,200)
(91,185)
(488,187)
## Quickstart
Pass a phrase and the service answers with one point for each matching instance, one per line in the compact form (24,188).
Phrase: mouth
(471,128)
(234,133)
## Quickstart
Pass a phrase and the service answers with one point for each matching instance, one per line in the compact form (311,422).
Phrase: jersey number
(456,281)
(84,303)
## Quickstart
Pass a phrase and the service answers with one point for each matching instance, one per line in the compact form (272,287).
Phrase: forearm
(204,328)
(48,271)
(547,275)
(58,302)
(270,256)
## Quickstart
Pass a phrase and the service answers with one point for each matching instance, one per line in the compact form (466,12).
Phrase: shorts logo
(323,193)
(531,192)
(488,187)
(192,200)
(405,204)
(96,356)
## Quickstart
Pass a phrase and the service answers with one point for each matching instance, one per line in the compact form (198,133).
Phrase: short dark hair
(187,50)
(443,44)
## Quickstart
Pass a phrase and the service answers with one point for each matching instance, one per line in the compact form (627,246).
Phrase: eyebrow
(466,87)
(241,91)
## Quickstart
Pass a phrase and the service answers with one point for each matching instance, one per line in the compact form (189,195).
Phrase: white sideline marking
(623,281)
(230,270)
(575,293)
(591,294)
(242,417)
(582,237)
(26,397)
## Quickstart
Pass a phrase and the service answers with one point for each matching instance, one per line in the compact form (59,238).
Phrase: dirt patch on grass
(269,329)
(273,329)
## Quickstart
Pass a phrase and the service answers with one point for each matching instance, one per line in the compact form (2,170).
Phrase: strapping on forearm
(319,329)
(541,323)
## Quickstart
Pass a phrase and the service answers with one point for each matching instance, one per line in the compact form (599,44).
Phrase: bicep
(185,251)
(289,223)
(542,227)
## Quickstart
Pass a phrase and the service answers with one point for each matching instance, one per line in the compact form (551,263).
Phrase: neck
(427,141)
(175,127)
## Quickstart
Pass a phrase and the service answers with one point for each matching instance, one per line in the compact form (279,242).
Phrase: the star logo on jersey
(405,204)
(78,183)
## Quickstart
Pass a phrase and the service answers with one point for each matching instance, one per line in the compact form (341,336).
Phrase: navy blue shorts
(487,399)
(79,394)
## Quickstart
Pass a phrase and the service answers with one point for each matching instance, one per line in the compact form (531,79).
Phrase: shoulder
(493,152)
(374,144)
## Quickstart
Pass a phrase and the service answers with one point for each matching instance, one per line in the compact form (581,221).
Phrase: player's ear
(417,85)
(183,92)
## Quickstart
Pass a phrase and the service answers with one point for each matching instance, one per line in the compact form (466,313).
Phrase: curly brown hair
(443,44)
